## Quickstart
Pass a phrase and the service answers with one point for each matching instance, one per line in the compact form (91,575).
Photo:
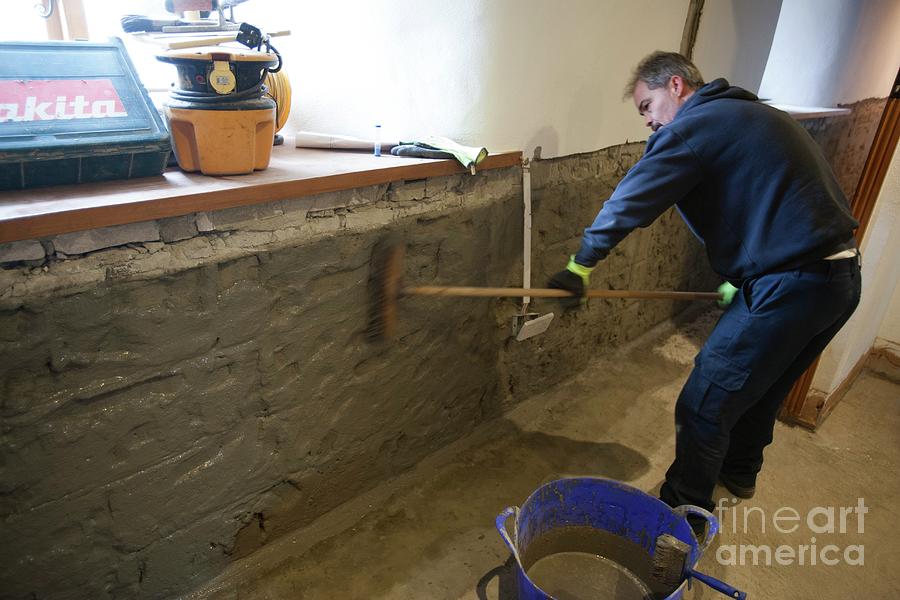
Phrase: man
(756,190)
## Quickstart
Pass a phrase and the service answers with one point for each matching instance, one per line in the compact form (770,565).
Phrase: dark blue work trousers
(776,326)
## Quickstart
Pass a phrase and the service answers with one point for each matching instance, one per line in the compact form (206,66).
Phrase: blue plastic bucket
(603,504)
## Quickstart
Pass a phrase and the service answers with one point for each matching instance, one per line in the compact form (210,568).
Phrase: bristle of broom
(385,284)
(669,559)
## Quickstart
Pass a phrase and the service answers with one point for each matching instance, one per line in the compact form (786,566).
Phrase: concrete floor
(430,533)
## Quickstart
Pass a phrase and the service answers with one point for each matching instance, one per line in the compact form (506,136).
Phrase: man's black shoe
(741,491)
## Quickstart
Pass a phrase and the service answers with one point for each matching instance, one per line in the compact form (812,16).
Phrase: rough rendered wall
(567,193)
(208,383)
(846,140)
(172,404)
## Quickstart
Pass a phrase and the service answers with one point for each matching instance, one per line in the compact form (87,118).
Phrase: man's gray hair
(656,70)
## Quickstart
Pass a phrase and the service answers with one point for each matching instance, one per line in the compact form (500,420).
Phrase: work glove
(575,278)
(728,291)
(419,152)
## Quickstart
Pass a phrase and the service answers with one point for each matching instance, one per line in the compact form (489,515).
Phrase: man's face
(658,106)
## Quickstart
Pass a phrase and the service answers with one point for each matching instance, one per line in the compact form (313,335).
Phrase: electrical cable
(271,84)
(279,90)
(257,91)
(273,50)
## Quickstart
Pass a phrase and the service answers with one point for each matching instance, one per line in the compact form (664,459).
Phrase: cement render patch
(231,234)
(430,533)
(81,242)
(171,407)
(160,384)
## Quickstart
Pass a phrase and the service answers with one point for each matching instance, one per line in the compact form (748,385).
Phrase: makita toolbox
(73,112)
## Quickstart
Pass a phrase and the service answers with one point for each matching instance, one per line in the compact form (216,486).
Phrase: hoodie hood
(716,90)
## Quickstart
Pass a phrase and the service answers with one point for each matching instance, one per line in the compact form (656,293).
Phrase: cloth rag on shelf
(428,147)
(419,152)
(468,156)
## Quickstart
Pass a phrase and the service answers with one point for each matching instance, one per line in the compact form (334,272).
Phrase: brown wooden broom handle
(503,292)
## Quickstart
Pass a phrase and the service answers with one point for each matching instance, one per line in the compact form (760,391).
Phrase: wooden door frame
(66,20)
(800,407)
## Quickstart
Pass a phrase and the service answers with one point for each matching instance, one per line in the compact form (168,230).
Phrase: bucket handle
(712,521)
(500,522)
(716,584)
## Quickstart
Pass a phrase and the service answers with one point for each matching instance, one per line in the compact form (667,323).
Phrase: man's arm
(665,174)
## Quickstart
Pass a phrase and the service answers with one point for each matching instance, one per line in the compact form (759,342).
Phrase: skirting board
(886,361)
(818,405)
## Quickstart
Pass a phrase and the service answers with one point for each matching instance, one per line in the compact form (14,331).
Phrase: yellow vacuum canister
(220,119)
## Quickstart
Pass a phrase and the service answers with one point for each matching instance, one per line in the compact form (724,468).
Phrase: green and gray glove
(728,291)
(575,278)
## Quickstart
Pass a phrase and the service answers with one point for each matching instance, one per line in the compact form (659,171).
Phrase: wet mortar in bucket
(578,563)
(592,537)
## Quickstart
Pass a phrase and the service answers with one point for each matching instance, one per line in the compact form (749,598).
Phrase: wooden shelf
(292,173)
(810,112)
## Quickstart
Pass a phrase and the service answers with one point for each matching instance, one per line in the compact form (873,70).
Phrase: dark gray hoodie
(748,180)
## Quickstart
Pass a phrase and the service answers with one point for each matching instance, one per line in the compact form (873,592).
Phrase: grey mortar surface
(171,406)
(430,533)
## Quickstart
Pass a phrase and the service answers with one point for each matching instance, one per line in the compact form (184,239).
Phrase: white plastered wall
(889,332)
(830,52)
(734,40)
(878,314)
(506,74)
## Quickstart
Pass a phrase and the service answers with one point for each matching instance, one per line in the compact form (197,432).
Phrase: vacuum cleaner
(221,118)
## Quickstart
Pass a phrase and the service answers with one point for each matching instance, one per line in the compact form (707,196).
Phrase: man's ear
(677,86)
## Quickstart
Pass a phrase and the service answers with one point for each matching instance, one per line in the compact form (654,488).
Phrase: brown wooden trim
(792,411)
(818,407)
(53,22)
(691,26)
(874,354)
(880,155)
(76,21)
(827,403)
(886,354)
(831,400)
(863,205)
(67,21)
(294,173)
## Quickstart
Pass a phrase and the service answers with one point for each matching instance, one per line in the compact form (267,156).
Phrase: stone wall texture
(846,140)
(174,401)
